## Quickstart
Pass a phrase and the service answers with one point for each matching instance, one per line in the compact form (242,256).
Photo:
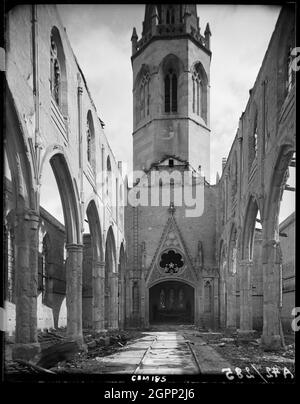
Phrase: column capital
(270,243)
(114,275)
(271,251)
(245,262)
(74,247)
(28,215)
(99,263)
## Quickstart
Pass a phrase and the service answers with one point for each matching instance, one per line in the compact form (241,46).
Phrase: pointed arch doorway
(171,302)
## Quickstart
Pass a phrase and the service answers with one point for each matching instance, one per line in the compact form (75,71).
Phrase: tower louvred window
(171,91)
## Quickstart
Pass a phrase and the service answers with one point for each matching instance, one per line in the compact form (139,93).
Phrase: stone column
(26,283)
(74,291)
(113,303)
(245,271)
(222,303)
(271,261)
(98,295)
(147,324)
(231,302)
(143,300)
(198,303)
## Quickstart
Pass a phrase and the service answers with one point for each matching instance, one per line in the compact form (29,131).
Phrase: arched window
(199,79)
(55,81)
(108,178)
(144,96)
(90,141)
(233,252)
(194,90)
(290,71)
(234,175)
(207,297)
(170,15)
(171,91)
(253,140)
(58,79)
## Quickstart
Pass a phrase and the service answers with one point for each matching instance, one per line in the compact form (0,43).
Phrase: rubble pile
(58,354)
(242,353)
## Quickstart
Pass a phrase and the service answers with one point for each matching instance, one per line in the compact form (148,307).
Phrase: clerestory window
(55,80)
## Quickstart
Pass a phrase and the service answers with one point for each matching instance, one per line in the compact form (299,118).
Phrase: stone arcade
(141,265)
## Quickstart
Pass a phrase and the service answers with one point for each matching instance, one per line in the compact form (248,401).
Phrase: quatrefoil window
(171,261)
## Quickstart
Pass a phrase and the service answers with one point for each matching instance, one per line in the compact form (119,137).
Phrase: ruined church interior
(87,254)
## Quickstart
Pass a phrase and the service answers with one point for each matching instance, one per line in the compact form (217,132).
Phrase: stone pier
(245,271)
(98,295)
(74,291)
(26,282)
(271,260)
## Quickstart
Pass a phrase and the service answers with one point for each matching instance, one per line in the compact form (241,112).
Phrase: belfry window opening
(171,91)
(170,16)
(197,92)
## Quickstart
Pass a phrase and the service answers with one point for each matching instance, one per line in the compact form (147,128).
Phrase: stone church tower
(171,69)
(172,276)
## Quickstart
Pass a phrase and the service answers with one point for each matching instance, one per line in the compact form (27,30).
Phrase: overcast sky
(100,38)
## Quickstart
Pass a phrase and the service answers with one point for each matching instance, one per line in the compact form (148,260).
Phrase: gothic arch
(248,231)
(19,161)
(90,141)
(144,70)
(276,188)
(111,282)
(58,73)
(234,175)
(222,284)
(170,73)
(199,90)
(231,279)
(68,193)
(141,89)
(122,286)
(109,184)
(172,300)
(232,250)
(253,141)
(95,230)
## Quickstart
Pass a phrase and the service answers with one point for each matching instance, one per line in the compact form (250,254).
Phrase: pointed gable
(171,241)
